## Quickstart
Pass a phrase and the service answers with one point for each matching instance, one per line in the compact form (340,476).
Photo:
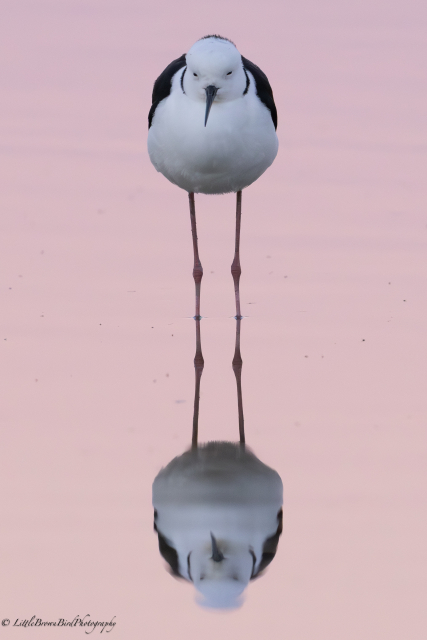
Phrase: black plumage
(163,84)
(269,549)
(168,552)
(263,88)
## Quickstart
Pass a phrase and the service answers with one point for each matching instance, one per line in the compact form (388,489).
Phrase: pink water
(97,297)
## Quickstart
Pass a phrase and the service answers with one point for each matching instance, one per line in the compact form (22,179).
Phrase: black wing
(263,88)
(162,86)
(168,552)
(270,547)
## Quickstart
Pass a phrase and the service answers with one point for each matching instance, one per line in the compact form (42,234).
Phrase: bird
(212,130)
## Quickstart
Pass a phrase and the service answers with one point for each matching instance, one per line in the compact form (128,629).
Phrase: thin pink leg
(199,363)
(197,269)
(237,368)
(235,267)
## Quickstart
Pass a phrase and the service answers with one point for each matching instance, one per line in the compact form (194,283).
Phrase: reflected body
(218,515)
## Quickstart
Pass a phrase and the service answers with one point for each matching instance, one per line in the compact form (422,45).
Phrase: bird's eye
(195,75)
(229,73)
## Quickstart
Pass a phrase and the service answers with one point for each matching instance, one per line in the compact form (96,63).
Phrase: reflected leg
(237,368)
(197,269)
(199,363)
(235,267)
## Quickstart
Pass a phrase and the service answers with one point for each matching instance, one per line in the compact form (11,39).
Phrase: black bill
(217,556)
(211,92)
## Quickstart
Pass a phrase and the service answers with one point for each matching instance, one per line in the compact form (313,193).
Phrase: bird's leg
(235,267)
(197,269)
(199,363)
(237,368)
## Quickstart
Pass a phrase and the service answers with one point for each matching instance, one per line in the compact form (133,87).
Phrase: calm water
(98,338)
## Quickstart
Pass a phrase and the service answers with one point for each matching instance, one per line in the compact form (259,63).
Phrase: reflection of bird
(218,516)
(212,129)
(217,508)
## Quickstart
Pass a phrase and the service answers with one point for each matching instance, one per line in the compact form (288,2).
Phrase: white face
(214,62)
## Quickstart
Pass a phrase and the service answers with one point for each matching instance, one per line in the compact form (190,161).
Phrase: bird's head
(220,571)
(214,72)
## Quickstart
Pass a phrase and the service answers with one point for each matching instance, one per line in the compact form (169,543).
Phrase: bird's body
(239,142)
(212,129)
(236,147)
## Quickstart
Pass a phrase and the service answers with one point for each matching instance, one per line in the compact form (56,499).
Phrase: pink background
(97,295)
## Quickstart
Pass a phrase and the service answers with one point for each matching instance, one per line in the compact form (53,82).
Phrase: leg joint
(198,274)
(236,270)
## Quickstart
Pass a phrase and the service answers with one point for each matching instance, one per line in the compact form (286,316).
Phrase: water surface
(98,338)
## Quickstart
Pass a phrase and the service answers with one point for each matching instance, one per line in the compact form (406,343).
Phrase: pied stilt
(212,129)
